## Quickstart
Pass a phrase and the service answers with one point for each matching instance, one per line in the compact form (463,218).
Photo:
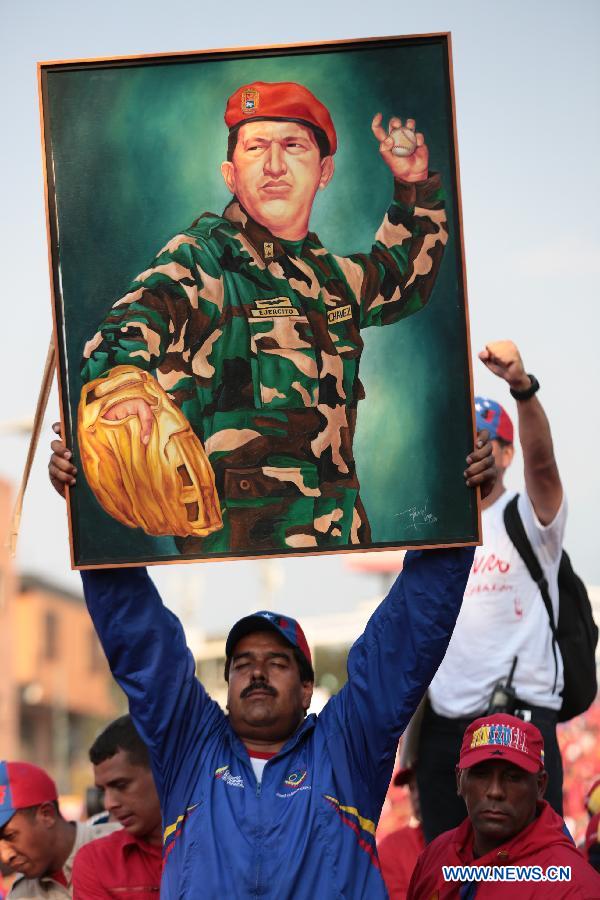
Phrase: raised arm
(542,478)
(392,664)
(397,277)
(145,646)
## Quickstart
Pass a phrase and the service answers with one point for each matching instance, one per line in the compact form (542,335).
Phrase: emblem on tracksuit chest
(223,774)
(295,783)
(295,779)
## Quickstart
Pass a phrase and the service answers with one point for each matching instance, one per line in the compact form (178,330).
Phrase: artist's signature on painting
(418,515)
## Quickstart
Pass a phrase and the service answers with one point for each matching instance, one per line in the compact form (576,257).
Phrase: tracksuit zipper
(259,834)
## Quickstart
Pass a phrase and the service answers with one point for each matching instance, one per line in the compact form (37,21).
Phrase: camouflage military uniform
(258,341)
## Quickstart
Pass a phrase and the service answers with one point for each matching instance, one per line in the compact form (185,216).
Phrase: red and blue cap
(264,620)
(23,785)
(503,737)
(490,415)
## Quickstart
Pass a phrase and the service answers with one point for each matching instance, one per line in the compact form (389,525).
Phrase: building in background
(9,744)
(56,690)
(329,635)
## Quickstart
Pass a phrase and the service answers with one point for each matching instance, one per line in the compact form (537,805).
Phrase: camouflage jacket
(258,341)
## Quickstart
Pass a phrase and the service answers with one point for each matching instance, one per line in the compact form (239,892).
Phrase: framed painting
(259,300)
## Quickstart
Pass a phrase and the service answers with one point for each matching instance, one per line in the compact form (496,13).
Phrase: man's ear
(542,784)
(46,815)
(508,453)
(307,692)
(327,170)
(228,175)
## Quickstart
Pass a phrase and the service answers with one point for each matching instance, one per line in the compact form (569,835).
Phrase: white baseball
(405,141)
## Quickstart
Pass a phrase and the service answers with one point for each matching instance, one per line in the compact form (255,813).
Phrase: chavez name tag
(339,315)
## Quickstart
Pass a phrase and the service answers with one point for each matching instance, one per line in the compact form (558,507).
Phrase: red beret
(283,100)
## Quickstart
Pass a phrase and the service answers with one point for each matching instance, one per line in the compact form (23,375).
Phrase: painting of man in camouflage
(249,327)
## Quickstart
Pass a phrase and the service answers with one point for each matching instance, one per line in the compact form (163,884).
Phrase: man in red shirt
(129,863)
(511,833)
(398,851)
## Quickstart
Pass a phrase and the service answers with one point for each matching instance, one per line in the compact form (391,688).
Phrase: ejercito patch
(278,306)
(270,311)
(339,315)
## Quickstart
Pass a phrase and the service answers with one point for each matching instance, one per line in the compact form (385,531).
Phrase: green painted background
(136,152)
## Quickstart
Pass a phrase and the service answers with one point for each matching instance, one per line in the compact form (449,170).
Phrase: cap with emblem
(288,628)
(283,100)
(23,785)
(490,415)
(504,738)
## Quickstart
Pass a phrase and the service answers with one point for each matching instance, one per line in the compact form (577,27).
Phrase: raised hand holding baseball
(402,148)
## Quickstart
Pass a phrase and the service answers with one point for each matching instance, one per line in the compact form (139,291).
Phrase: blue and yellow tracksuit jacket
(308,830)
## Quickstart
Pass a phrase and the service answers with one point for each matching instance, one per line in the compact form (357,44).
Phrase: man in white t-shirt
(503,616)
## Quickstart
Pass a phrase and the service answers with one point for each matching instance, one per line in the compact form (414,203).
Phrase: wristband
(528,392)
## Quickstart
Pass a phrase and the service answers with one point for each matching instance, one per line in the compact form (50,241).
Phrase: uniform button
(244,484)
(502,854)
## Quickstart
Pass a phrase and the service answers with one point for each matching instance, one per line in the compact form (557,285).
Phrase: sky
(527,93)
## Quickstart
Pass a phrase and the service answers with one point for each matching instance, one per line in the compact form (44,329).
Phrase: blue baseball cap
(264,620)
(490,415)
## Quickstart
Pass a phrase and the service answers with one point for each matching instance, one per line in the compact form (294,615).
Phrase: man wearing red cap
(520,846)
(35,840)
(503,617)
(247,324)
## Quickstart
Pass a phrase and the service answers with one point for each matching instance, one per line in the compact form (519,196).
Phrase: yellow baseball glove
(167,486)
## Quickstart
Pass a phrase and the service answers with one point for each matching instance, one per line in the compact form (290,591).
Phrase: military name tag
(274,311)
(339,315)
(279,306)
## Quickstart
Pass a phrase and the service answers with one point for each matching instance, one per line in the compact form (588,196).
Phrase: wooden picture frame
(209,362)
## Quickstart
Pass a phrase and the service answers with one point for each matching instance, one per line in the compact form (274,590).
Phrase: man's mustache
(258,686)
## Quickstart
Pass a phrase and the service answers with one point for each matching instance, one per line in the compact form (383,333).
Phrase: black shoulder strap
(516,532)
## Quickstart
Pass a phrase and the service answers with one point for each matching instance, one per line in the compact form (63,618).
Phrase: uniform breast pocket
(284,367)
(348,344)
(271,507)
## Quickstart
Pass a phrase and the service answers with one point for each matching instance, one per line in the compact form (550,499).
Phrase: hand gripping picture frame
(259,300)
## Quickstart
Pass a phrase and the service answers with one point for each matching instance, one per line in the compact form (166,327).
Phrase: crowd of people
(461,657)
(269,799)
